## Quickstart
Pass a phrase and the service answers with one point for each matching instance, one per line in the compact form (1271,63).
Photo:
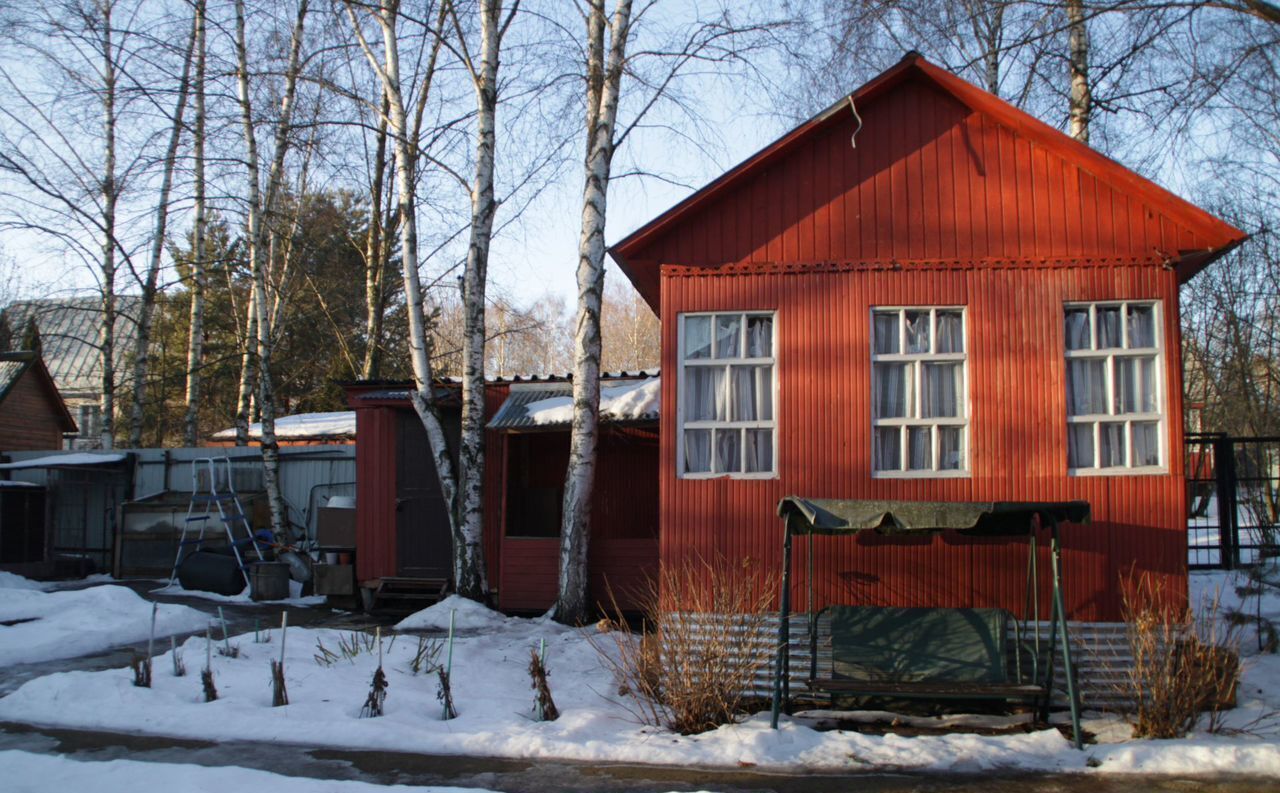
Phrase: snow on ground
(467,615)
(495,704)
(36,773)
(295,596)
(65,624)
(15,581)
(620,402)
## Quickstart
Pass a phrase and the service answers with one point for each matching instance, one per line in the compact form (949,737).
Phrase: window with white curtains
(1114,374)
(726,395)
(919,392)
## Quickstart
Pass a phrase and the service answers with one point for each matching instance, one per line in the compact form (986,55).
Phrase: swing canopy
(983,518)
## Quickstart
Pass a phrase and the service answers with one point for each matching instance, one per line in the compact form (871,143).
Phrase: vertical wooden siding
(1017,436)
(377,436)
(930,179)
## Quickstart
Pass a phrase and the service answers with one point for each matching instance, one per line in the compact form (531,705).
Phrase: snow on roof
(340,424)
(77,459)
(626,402)
(15,483)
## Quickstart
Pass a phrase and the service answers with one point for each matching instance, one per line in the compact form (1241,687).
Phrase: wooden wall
(30,420)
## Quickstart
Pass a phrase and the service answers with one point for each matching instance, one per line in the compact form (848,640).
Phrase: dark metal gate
(1233,497)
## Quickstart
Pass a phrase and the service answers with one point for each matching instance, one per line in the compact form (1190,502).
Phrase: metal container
(269,580)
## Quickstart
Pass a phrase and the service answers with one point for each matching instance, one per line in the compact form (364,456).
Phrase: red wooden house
(936,297)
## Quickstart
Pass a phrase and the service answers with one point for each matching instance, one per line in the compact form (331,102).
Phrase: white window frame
(1108,356)
(917,361)
(725,363)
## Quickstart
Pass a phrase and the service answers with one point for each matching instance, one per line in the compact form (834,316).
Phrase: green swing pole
(1061,615)
(780,672)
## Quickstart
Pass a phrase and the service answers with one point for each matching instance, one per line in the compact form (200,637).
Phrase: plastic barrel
(211,572)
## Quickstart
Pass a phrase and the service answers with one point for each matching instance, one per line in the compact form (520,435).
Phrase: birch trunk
(110,195)
(141,360)
(469,570)
(375,261)
(248,369)
(1081,102)
(406,154)
(195,325)
(258,205)
(603,84)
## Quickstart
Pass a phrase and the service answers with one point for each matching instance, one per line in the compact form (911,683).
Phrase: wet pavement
(509,776)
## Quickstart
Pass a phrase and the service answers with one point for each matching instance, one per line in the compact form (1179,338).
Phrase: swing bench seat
(927,653)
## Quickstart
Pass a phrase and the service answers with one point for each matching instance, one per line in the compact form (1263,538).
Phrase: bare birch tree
(1081,104)
(195,322)
(261,201)
(150,281)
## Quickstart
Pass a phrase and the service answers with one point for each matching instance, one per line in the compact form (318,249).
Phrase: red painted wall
(1017,437)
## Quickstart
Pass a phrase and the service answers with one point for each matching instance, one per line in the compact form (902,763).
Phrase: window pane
(1108,327)
(950,453)
(704,398)
(1135,385)
(1146,443)
(917,331)
(697,451)
(759,451)
(942,392)
(752,393)
(697,337)
(891,390)
(759,337)
(728,451)
(919,448)
(1111,450)
(1077,329)
(728,336)
(886,449)
(950,331)
(1086,387)
(886,333)
(1142,326)
(1080,445)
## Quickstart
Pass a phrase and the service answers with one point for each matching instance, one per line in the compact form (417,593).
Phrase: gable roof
(1200,237)
(13,365)
(69,331)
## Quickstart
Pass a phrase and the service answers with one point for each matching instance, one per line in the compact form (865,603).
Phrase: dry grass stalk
(445,695)
(206,682)
(544,704)
(708,638)
(279,694)
(377,695)
(1185,662)
(141,671)
(427,656)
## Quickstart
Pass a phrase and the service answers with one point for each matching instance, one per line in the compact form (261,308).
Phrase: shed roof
(1027,148)
(13,365)
(550,407)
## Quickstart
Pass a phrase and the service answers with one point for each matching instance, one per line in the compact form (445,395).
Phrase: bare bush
(1185,662)
(706,640)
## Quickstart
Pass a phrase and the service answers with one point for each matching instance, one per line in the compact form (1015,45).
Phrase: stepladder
(214,500)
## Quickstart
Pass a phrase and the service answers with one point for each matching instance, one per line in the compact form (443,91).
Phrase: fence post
(1224,469)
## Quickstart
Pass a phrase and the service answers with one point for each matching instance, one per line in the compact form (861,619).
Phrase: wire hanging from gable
(853,141)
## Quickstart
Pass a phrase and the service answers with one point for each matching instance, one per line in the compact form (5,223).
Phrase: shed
(934,298)
(32,413)
(402,529)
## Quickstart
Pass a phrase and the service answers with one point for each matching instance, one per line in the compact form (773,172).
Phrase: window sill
(921,474)
(750,477)
(1149,470)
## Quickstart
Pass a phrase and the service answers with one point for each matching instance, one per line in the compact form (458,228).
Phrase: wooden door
(423,545)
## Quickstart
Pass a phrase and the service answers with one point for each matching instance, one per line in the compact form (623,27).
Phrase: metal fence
(1233,498)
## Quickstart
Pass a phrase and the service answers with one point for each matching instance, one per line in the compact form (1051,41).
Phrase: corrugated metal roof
(10,370)
(69,337)
(400,389)
(514,413)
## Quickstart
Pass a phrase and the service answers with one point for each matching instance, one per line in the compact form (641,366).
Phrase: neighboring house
(70,340)
(939,298)
(32,414)
(402,527)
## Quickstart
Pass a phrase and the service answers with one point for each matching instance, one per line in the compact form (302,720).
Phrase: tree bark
(195,324)
(603,85)
(1081,102)
(375,261)
(258,205)
(141,360)
(110,194)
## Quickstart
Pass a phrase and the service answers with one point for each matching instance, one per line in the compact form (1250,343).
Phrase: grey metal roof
(69,331)
(514,414)
(10,371)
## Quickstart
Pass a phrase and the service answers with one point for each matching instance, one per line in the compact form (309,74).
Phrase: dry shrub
(1185,662)
(707,636)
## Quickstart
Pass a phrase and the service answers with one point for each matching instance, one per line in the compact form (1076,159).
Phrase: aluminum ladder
(218,501)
